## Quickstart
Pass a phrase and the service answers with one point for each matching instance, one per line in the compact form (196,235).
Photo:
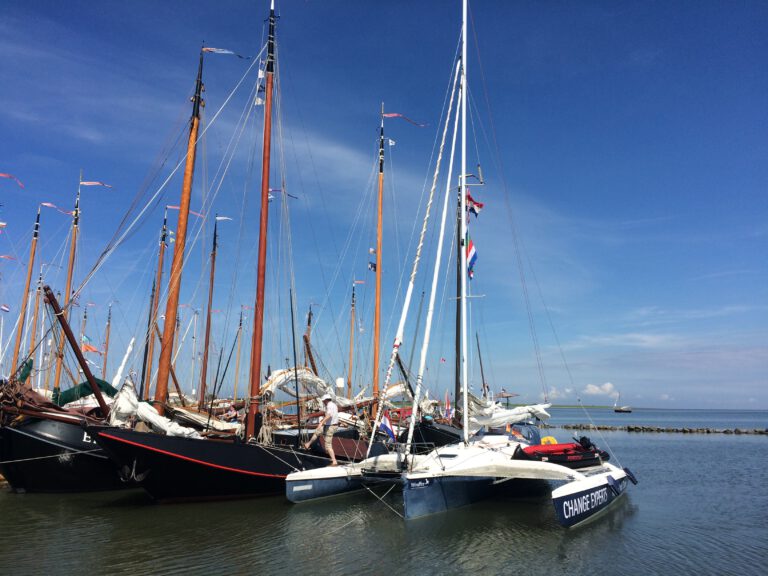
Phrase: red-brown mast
(258,317)
(172,305)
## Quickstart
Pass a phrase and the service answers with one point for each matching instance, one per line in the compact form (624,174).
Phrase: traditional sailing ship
(43,447)
(219,466)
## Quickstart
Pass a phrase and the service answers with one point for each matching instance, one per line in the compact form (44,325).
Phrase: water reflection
(700,508)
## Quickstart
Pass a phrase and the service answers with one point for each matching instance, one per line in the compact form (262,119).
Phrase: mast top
(197,99)
(271,41)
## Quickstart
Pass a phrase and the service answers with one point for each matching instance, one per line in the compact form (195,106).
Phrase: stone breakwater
(658,429)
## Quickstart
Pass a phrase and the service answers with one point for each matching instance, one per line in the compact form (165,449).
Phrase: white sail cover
(492,414)
(126,405)
(285,381)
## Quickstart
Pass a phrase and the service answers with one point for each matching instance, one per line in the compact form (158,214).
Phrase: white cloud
(606,389)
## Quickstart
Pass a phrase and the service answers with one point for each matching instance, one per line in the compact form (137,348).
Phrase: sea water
(700,508)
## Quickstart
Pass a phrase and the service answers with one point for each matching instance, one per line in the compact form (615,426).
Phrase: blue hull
(433,495)
(577,507)
(303,490)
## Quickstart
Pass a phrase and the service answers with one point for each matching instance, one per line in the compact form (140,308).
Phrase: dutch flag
(471,257)
(386,426)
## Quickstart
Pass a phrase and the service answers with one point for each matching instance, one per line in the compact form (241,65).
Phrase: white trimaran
(457,474)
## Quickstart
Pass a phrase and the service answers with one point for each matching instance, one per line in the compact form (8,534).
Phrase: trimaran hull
(577,497)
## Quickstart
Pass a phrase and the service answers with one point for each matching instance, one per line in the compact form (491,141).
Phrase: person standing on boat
(327,426)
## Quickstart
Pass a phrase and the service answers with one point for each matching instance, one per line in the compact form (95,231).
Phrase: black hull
(428,435)
(181,469)
(49,456)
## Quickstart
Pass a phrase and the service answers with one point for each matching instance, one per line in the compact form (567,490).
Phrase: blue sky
(626,140)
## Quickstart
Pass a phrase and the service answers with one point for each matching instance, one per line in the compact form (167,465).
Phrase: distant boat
(623,409)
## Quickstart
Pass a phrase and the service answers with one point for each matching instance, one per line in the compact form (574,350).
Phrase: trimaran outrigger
(457,474)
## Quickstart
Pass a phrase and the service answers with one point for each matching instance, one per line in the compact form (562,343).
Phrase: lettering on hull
(575,508)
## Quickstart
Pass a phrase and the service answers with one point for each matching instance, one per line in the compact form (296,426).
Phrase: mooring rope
(381,499)
(71,453)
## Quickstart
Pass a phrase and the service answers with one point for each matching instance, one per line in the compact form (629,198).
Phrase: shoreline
(660,429)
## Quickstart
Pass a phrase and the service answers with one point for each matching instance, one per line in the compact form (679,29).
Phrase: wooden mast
(33,336)
(145,381)
(482,371)
(171,307)
(258,316)
(25,295)
(204,369)
(306,337)
(379,260)
(154,305)
(77,351)
(351,344)
(237,358)
(67,290)
(106,343)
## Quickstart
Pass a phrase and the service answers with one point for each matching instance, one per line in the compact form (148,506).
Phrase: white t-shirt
(333,411)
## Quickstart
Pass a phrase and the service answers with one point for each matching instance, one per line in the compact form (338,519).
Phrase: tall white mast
(463,217)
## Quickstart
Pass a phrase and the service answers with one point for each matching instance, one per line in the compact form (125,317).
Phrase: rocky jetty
(659,429)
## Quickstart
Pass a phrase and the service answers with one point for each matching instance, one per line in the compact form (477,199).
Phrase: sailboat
(43,447)
(478,465)
(191,467)
(621,409)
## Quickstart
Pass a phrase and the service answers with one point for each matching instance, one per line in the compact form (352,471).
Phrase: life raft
(581,454)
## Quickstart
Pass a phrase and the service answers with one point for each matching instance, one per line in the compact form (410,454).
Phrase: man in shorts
(327,426)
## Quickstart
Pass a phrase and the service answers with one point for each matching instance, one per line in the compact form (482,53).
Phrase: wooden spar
(194,346)
(33,336)
(51,345)
(237,358)
(146,377)
(351,344)
(379,261)
(68,289)
(106,343)
(76,349)
(174,285)
(204,369)
(308,343)
(25,295)
(172,371)
(150,350)
(482,371)
(258,316)
(295,365)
